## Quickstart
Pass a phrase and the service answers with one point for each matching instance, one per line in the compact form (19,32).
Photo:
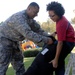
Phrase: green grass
(27,62)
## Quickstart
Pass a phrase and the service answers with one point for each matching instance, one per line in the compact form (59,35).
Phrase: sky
(9,7)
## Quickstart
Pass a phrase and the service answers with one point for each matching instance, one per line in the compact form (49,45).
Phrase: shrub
(31,52)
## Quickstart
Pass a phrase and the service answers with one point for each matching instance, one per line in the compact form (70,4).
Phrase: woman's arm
(55,60)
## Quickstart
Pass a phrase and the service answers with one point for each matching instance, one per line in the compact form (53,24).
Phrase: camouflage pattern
(9,52)
(16,28)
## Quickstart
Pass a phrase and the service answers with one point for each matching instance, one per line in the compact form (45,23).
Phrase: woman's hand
(54,63)
(53,34)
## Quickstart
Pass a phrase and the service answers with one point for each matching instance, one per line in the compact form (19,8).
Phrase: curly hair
(57,8)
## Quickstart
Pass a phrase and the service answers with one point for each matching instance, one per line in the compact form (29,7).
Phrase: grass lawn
(27,62)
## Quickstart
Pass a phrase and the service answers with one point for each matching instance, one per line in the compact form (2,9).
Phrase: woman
(65,36)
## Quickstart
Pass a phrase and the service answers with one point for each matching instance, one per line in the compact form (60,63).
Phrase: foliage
(73,20)
(1,22)
(31,52)
(48,26)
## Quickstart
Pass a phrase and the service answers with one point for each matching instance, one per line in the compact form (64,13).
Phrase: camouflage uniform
(16,28)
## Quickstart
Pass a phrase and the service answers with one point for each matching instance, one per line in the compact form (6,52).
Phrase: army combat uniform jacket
(16,28)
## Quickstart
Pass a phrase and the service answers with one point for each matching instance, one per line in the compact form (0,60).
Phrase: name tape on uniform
(44,51)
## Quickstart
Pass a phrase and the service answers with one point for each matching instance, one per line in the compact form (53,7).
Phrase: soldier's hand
(53,34)
(50,41)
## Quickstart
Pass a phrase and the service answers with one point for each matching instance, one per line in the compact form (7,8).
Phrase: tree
(49,26)
(1,22)
(73,19)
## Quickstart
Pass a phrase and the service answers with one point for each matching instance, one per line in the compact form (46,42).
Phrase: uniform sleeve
(24,29)
(40,30)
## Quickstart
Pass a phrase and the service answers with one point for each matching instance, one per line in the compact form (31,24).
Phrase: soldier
(16,28)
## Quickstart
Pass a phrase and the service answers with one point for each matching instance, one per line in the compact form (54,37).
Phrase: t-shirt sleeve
(61,32)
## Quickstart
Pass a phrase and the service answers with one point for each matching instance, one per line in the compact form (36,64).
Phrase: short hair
(34,4)
(57,8)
